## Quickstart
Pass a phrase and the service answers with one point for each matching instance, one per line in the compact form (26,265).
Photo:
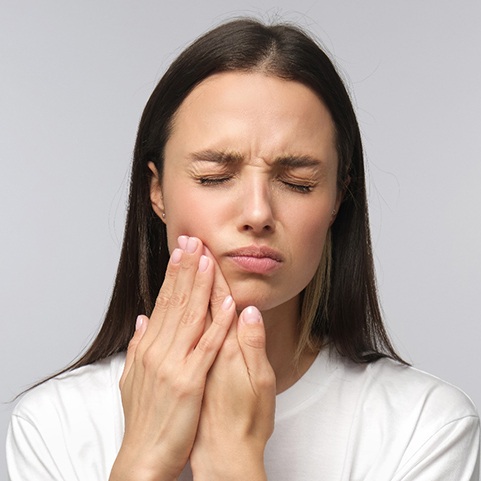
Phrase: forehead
(257,115)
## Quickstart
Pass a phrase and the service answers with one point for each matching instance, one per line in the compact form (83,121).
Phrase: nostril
(265,228)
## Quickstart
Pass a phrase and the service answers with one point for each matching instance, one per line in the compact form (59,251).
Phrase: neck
(282,332)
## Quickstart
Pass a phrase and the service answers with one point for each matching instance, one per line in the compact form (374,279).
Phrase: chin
(242,301)
(263,301)
(263,293)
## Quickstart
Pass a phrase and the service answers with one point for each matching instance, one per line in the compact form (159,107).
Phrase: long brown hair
(350,315)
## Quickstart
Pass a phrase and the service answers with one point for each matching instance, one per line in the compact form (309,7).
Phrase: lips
(256,259)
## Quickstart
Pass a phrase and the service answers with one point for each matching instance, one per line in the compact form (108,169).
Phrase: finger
(192,324)
(212,340)
(174,293)
(220,288)
(164,295)
(182,292)
(252,341)
(140,328)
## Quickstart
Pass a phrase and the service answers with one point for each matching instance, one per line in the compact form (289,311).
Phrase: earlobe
(337,205)
(156,197)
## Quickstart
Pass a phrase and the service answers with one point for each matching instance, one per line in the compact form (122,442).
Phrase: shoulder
(408,421)
(69,427)
(421,412)
(412,389)
(77,390)
(435,424)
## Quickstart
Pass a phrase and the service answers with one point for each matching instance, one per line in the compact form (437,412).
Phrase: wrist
(132,468)
(236,465)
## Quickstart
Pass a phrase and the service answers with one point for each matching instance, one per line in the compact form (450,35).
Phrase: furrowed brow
(216,156)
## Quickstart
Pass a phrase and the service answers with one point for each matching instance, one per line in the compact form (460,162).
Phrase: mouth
(256,259)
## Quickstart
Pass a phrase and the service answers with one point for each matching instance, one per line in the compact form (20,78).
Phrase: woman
(262,353)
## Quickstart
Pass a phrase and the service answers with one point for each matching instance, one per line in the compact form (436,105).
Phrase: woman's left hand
(237,416)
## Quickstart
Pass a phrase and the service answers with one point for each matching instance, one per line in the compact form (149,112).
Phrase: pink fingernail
(182,241)
(251,315)
(203,263)
(139,322)
(176,256)
(191,245)
(227,303)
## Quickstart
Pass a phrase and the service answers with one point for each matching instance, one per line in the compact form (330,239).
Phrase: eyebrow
(294,161)
(217,156)
(226,157)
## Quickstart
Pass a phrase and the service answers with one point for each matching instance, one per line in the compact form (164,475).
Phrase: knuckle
(171,273)
(148,359)
(135,350)
(206,345)
(256,341)
(187,263)
(139,356)
(266,380)
(131,348)
(217,297)
(162,301)
(178,299)
(164,374)
(190,317)
(181,388)
(220,320)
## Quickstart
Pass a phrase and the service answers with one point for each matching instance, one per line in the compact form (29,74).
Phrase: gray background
(74,79)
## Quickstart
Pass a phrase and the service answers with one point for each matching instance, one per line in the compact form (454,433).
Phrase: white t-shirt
(339,422)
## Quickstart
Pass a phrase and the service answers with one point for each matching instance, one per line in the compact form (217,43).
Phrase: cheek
(187,214)
(310,237)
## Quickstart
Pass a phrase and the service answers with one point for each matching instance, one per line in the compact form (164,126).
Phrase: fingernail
(182,241)
(139,322)
(227,303)
(176,256)
(191,245)
(203,263)
(251,315)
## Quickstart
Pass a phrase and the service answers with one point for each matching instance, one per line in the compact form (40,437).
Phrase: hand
(166,366)
(237,416)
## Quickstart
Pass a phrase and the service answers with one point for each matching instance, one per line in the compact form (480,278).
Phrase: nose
(257,213)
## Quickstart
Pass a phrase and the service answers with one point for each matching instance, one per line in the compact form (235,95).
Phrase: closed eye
(211,181)
(301,188)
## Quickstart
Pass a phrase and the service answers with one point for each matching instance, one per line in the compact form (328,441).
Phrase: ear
(339,199)
(337,204)
(156,197)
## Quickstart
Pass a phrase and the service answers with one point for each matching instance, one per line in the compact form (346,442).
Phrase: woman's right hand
(166,367)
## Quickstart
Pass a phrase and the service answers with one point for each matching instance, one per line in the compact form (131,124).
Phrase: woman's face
(250,169)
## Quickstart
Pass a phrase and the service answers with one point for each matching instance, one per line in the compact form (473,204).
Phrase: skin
(251,162)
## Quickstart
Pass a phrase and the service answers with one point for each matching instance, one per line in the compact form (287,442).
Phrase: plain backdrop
(74,79)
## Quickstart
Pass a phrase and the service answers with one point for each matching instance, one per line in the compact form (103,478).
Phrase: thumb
(251,336)
(140,328)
